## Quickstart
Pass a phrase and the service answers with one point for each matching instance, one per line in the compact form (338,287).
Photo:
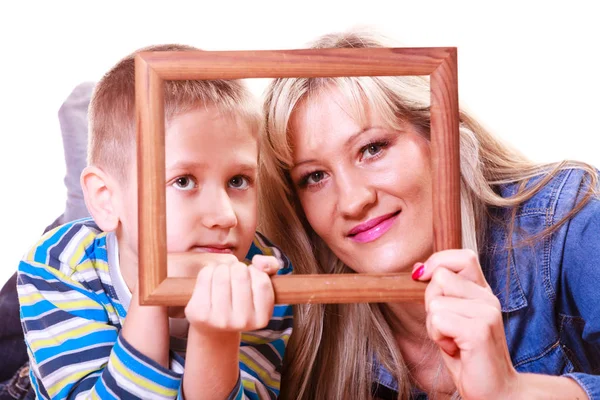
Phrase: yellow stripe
(91,265)
(138,380)
(266,250)
(248,338)
(31,298)
(71,334)
(63,305)
(74,377)
(82,245)
(67,280)
(264,375)
(249,386)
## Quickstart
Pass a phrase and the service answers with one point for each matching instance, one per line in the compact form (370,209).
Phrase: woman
(346,187)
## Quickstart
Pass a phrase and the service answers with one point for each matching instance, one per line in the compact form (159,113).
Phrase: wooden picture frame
(152,68)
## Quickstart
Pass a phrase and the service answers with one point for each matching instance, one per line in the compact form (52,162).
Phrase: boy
(85,330)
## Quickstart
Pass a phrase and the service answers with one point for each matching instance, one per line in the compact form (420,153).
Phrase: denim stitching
(553,346)
(546,270)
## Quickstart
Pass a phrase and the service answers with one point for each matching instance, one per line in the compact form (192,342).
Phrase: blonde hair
(112,108)
(340,342)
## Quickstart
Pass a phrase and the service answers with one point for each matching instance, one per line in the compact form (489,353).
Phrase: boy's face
(211,171)
(210,186)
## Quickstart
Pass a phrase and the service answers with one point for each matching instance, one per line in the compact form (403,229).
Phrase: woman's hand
(465,321)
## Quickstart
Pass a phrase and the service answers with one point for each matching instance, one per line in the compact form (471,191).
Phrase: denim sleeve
(579,296)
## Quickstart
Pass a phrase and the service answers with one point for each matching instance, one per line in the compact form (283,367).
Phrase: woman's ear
(99,192)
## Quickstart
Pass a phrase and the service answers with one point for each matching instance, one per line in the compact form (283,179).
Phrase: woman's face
(365,188)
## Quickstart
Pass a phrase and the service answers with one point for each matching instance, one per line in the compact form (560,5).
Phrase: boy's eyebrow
(184,164)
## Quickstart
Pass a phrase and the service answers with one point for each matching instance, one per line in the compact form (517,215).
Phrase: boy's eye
(239,182)
(185,183)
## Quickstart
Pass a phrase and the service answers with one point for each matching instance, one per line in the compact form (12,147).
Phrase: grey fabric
(73,118)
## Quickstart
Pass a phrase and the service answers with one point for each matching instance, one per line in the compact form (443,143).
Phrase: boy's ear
(99,192)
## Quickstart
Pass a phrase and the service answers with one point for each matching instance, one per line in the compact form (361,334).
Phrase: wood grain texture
(306,289)
(150,135)
(295,63)
(445,155)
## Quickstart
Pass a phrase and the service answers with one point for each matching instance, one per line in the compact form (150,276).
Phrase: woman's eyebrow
(347,144)
(355,136)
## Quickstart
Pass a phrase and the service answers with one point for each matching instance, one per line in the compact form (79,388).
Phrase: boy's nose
(218,211)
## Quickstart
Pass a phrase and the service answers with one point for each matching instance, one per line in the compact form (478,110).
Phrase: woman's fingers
(447,283)
(468,324)
(464,262)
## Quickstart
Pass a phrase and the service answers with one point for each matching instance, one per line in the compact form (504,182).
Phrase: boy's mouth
(213,248)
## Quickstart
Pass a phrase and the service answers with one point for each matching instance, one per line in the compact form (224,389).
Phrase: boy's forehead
(206,136)
(214,123)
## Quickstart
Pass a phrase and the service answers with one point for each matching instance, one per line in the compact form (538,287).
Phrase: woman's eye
(371,150)
(313,178)
(239,182)
(185,183)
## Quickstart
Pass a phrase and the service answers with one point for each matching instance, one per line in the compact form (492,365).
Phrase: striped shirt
(72,317)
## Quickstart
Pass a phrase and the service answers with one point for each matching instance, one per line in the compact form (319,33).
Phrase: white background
(528,70)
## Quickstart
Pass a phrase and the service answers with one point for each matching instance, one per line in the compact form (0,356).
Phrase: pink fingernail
(417,273)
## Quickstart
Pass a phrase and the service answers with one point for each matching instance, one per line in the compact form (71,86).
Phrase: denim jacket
(550,290)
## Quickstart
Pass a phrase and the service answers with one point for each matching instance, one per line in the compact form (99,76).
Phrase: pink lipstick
(373,229)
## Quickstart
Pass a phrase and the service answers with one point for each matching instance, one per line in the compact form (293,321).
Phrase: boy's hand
(233,297)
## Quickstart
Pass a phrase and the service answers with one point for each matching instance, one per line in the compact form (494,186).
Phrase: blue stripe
(283,310)
(41,252)
(105,336)
(57,250)
(45,285)
(85,385)
(125,352)
(35,386)
(109,382)
(247,393)
(97,353)
(47,320)
(32,311)
(279,345)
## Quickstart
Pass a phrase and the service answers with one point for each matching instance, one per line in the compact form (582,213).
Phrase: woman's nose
(355,197)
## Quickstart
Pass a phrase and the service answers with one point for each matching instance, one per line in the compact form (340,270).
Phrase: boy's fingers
(221,296)
(241,294)
(263,296)
(268,264)
(199,307)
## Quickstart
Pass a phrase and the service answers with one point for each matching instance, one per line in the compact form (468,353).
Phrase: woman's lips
(373,229)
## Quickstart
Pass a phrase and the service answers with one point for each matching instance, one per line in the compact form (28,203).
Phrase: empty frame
(153,68)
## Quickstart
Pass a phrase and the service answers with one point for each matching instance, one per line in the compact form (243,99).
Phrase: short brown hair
(112,108)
